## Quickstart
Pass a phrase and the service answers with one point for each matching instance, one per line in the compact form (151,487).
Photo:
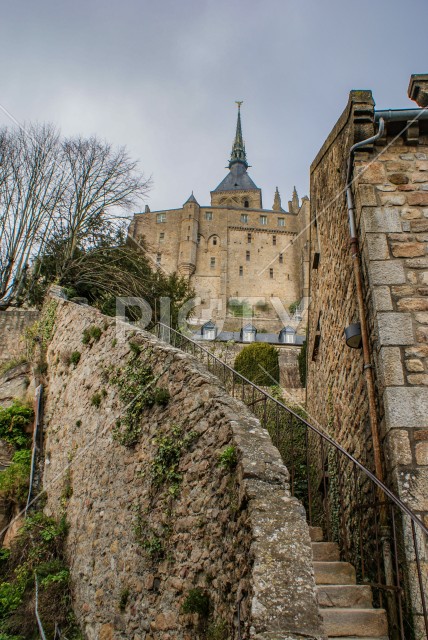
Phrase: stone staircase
(345,606)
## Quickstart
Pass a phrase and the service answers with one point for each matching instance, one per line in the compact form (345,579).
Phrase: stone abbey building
(233,247)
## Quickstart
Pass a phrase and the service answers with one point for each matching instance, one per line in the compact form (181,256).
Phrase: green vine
(137,391)
(166,462)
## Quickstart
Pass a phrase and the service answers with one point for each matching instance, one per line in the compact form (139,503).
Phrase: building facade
(233,248)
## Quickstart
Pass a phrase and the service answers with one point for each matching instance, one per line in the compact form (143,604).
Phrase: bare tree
(63,192)
(30,189)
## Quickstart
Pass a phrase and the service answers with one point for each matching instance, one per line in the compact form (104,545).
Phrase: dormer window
(287,335)
(248,333)
(160,217)
(209,331)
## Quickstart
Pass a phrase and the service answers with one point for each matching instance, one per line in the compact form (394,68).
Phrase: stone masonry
(12,326)
(391,194)
(234,533)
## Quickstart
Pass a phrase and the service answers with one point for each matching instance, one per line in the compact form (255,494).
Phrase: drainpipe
(355,253)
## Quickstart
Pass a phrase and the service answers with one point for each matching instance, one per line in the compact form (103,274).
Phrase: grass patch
(14,480)
(13,422)
(9,365)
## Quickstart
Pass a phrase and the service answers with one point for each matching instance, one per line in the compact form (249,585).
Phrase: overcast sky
(161,77)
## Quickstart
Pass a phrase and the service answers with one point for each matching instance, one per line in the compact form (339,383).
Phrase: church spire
(277,202)
(238,149)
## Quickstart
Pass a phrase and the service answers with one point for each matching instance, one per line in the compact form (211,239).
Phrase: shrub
(96,400)
(14,480)
(91,333)
(75,358)
(13,421)
(228,458)
(259,363)
(9,365)
(197,601)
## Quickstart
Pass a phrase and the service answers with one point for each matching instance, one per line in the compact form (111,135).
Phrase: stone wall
(136,548)
(391,195)
(12,326)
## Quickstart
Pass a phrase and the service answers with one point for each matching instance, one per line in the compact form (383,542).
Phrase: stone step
(325,551)
(316,534)
(345,595)
(361,623)
(334,573)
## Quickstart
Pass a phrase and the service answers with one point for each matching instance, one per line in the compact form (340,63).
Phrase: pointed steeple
(238,149)
(191,199)
(277,202)
(296,205)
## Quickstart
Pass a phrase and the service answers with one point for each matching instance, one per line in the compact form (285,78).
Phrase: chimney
(418,89)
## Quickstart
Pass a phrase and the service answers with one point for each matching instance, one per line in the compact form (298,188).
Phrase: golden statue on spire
(239,102)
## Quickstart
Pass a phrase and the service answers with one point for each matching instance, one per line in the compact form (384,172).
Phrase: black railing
(385,541)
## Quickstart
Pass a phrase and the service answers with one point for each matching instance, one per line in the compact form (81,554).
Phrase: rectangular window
(249,238)
(244,217)
(281,222)
(271,273)
(247,256)
(212,263)
(263,219)
(241,271)
(208,215)
(274,241)
(161,237)
(214,241)
(281,260)
(161,217)
(158,258)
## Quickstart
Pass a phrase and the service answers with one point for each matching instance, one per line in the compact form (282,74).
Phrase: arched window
(246,204)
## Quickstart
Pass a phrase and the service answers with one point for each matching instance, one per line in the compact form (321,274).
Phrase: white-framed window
(208,215)
(212,263)
(160,217)
(289,337)
(263,219)
(281,222)
(244,217)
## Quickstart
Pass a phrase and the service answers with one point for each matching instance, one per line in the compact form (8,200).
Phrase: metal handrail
(325,436)
(35,447)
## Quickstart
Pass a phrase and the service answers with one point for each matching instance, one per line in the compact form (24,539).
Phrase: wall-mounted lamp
(353,336)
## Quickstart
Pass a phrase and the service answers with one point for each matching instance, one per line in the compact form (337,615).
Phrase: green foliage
(228,458)
(217,630)
(42,330)
(38,550)
(166,461)
(301,359)
(146,537)
(78,423)
(13,421)
(259,363)
(96,400)
(75,358)
(91,333)
(14,480)
(137,391)
(11,364)
(123,599)
(239,308)
(292,308)
(197,601)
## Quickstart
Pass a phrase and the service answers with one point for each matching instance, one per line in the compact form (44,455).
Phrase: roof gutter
(397,115)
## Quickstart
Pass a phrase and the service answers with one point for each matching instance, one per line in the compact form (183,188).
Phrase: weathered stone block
(398,178)
(387,272)
(422,334)
(411,214)
(408,249)
(422,318)
(417,263)
(395,329)
(414,365)
(372,173)
(406,407)
(413,304)
(367,194)
(419,225)
(382,299)
(391,368)
(392,199)
(398,448)
(377,246)
(421,453)
(418,198)
(381,219)
(418,378)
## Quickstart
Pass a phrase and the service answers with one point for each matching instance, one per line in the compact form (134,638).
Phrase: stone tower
(189,237)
